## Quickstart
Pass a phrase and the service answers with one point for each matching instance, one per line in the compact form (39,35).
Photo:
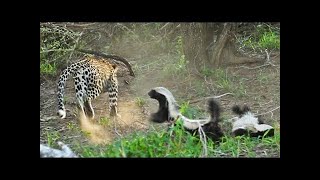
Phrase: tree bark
(211,45)
(219,45)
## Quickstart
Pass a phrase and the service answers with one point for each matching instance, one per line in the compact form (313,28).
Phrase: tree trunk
(194,47)
(211,45)
(219,46)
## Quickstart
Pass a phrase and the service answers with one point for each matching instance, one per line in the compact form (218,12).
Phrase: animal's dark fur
(214,110)
(212,129)
(163,112)
(240,111)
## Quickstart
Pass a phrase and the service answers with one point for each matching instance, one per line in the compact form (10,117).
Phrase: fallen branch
(257,67)
(268,58)
(164,26)
(269,111)
(56,50)
(79,25)
(267,63)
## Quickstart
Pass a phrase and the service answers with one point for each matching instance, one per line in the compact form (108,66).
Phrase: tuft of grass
(266,37)
(263,78)
(189,111)
(52,138)
(269,40)
(140,101)
(48,69)
(240,91)
(104,121)
(207,72)
(179,65)
(223,81)
(86,133)
(71,126)
(182,62)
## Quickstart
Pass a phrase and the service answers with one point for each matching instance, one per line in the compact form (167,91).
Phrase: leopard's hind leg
(112,88)
(80,90)
(88,109)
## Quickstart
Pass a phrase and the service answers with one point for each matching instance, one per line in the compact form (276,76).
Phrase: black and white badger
(248,124)
(169,112)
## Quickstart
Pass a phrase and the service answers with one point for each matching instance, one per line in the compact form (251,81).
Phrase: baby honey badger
(169,112)
(247,124)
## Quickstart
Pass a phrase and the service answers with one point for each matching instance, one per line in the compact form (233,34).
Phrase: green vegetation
(52,138)
(176,142)
(140,101)
(179,65)
(57,44)
(182,63)
(86,133)
(182,144)
(72,126)
(47,68)
(189,111)
(104,121)
(266,37)
(225,82)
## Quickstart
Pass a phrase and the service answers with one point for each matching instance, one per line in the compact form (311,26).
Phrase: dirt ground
(261,87)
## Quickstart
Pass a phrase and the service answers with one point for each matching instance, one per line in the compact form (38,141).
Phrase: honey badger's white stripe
(249,122)
(174,111)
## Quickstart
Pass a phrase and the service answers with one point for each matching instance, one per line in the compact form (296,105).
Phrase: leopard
(92,75)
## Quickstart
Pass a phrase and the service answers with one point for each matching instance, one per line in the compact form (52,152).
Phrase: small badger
(169,112)
(248,124)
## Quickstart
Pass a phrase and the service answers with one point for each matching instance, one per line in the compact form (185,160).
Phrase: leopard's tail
(62,81)
(114,57)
